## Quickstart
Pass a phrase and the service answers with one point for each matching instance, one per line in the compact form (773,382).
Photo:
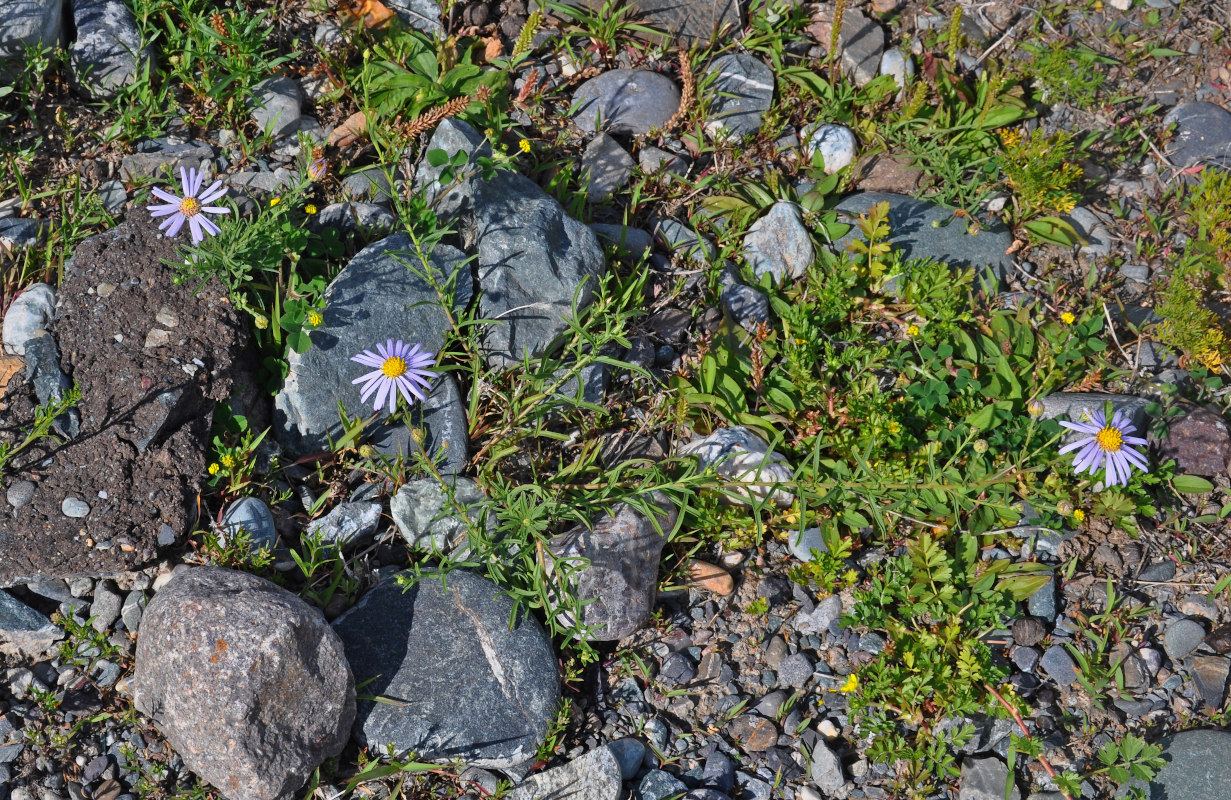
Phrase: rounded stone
(74,507)
(247,682)
(250,515)
(835,144)
(625,101)
(20,493)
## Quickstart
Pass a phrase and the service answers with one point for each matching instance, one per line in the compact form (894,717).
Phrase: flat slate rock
(375,298)
(1198,768)
(144,412)
(465,684)
(696,21)
(594,776)
(25,22)
(912,233)
(743,90)
(107,54)
(625,101)
(1202,135)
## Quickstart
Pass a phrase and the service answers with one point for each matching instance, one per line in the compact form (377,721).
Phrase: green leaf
(1191,484)
(1054,229)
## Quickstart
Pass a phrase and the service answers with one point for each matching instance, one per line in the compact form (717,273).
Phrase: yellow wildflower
(213,468)
(912,330)
(315,318)
(275,202)
(524,144)
(1079,515)
(1066,203)
(261,321)
(852,684)
(228,460)
(1067,318)
(311,209)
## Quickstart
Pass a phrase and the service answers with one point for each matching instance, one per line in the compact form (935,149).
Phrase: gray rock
(633,242)
(652,159)
(778,243)
(794,671)
(898,64)
(984,779)
(132,610)
(861,41)
(594,776)
(1198,765)
(738,455)
(912,233)
(157,157)
(742,90)
(607,167)
(368,303)
(1139,273)
(617,567)
(1210,679)
(625,101)
(1092,229)
(803,543)
(106,606)
(1057,663)
(677,670)
(423,15)
(748,307)
(24,632)
(1026,658)
(74,507)
(20,493)
(1042,603)
(1202,135)
(30,313)
(835,144)
(274,182)
(107,53)
(535,265)
(51,385)
(427,519)
(370,184)
(818,621)
(677,237)
(1163,570)
(1182,637)
(245,680)
(275,106)
(658,785)
(454,197)
(355,218)
(19,234)
(719,773)
(629,754)
(465,684)
(252,516)
(826,769)
(24,22)
(113,196)
(347,524)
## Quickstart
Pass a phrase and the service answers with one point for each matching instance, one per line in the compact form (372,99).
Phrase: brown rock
(1210,678)
(710,577)
(754,732)
(885,172)
(246,681)
(1028,631)
(1220,639)
(1198,441)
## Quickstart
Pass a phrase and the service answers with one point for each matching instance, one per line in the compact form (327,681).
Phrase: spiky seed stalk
(528,31)
(687,95)
(955,33)
(835,33)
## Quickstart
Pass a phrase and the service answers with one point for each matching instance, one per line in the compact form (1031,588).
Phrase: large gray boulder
(459,681)
(24,22)
(247,682)
(107,53)
(381,294)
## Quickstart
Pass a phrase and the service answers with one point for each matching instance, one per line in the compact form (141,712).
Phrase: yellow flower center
(315,318)
(1109,439)
(393,367)
(190,207)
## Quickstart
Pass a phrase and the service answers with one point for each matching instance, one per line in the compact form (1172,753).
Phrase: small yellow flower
(912,330)
(894,427)
(1079,515)
(213,468)
(311,209)
(852,684)
(1066,203)
(228,461)
(524,144)
(275,202)
(315,318)
(261,321)
(1067,318)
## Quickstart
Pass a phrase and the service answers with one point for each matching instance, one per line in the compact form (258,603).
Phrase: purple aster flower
(190,206)
(1106,445)
(399,367)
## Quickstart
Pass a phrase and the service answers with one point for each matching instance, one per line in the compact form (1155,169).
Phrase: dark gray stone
(625,101)
(1026,658)
(18,234)
(676,237)
(158,158)
(1042,604)
(778,244)
(618,567)
(275,106)
(24,632)
(51,385)
(633,242)
(132,610)
(428,521)
(652,159)
(535,265)
(347,525)
(658,785)
(464,684)
(719,773)
(375,298)
(252,516)
(1158,571)
(453,197)
(826,769)
(1210,678)
(594,776)
(677,670)
(794,671)
(355,218)
(1058,664)
(113,196)
(423,15)
(1198,768)
(912,233)
(861,42)
(30,313)
(368,185)
(24,22)
(105,609)
(107,53)
(607,166)
(1182,637)
(1202,135)
(742,90)
(628,753)
(984,779)
(245,680)
(697,21)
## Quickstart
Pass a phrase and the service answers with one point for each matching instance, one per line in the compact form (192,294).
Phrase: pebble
(74,507)
(629,753)
(826,769)
(898,64)
(658,785)
(742,90)
(835,144)
(607,165)
(275,106)
(1181,638)
(1058,664)
(624,101)
(20,493)
(778,244)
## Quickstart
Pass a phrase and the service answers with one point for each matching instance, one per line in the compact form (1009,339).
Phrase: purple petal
(186,181)
(1135,440)
(382,393)
(216,209)
(407,389)
(194,224)
(207,225)
(162,211)
(211,194)
(1084,427)
(1136,459)
(177,222)
(165,195)
(198,178)
(367,358)
(1071,446)
(1087,459)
